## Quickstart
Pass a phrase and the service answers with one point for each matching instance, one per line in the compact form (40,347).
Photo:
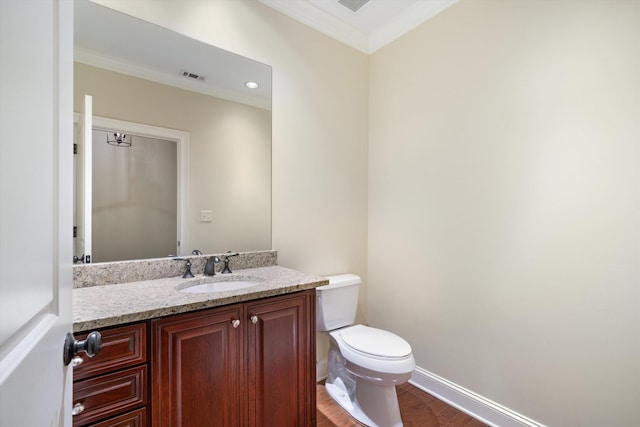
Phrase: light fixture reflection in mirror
(118,139)
(133,71)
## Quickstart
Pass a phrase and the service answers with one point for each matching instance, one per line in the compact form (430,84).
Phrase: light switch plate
(206,216)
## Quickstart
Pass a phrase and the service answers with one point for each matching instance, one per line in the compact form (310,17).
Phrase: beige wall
(501,142)
(504,204)
(229,154)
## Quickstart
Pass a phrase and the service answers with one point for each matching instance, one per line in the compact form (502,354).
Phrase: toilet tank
(336,303)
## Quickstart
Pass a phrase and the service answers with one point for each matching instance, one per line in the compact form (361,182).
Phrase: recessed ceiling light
(252,85)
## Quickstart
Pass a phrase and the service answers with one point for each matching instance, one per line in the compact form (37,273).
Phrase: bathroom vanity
(173,358)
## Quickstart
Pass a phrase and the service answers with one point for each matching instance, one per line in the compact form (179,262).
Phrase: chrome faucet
(210,266)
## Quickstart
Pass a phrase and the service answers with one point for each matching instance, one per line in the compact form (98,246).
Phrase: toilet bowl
(364,364)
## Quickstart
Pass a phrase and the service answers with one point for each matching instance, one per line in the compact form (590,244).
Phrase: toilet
(364,364)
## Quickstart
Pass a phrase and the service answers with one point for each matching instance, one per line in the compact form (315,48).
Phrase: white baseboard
(469,402)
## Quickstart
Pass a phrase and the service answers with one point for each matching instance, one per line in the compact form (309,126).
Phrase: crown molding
(321,21)
(326,23)
(411,18)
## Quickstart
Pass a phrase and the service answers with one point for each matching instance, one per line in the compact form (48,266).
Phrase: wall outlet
(206,216)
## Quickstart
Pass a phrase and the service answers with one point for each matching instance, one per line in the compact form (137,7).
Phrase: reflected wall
(229,160)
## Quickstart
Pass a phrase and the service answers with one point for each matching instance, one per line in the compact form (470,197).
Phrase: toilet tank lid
(341,280)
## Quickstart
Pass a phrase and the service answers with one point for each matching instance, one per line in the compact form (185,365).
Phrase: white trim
(326,23)
(321,21)
(98,60)
(414,16)
(87,176)
(183,139)
(479,407)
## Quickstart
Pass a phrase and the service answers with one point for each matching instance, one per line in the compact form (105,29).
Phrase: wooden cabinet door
(196,367)
(280,348)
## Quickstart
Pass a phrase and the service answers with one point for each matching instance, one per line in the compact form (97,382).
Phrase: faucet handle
(187,273)
(228,255)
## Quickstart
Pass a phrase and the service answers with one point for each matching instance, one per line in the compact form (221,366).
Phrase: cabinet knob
(235,323)
(254,319)
(77,409)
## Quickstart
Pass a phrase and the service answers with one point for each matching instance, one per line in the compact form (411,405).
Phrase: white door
(84,181)
(36,124)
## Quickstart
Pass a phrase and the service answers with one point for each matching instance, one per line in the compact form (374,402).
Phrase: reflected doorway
(134,206)
(139,192)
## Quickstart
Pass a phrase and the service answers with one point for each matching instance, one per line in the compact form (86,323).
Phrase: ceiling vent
(354,5)
(190,75)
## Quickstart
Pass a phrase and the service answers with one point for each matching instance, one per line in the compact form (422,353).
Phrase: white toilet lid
(376,342)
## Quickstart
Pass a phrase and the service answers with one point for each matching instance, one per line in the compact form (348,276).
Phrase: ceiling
(112,40)
(375,24)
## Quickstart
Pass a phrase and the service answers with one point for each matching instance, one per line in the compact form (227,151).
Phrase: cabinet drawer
(137,418)
(110,394)
(122,347)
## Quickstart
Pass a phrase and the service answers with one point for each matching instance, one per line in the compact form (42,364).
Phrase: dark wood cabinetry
(196,368)
(241,365)
(280,356)
(247,364)
(115,383)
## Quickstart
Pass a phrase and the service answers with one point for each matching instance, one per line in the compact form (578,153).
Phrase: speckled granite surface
(159,268)
(99,306)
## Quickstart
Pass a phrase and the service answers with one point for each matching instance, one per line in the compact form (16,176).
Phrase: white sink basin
(205,286)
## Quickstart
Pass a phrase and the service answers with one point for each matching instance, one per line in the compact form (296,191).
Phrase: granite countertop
(108,305)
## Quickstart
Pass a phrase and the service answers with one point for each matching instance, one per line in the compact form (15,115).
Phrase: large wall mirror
(180,101)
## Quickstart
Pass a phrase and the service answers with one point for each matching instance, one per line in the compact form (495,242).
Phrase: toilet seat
(374,349)
(375,342)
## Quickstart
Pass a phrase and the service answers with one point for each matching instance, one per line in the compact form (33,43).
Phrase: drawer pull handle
(235,323)
(78,408)
(254,319)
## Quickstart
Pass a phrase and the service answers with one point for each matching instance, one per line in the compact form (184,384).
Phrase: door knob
(91,346)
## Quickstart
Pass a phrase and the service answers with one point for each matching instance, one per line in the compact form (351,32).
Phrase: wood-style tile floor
(418,409)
